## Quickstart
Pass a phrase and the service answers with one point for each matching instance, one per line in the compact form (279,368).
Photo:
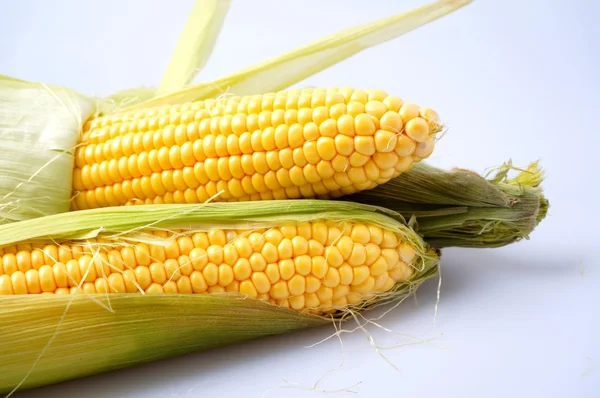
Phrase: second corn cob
(308,143)
(319,262)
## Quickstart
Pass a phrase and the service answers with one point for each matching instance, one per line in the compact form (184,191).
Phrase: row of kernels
(316,160)
(245,261)
(167,187)
(291,99)
(165,149)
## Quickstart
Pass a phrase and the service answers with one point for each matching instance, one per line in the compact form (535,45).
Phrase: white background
(512,78)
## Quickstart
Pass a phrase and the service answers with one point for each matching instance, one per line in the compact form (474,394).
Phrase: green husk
(77,337)
(288,68)
(461,208)
(195,44)
(39,129)
(61,338)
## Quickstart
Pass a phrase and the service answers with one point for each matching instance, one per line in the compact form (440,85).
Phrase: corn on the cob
(224,273)
(309,260)
(296,144)
(315,266)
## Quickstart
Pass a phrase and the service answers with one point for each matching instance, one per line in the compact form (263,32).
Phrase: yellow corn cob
(313,266)
(321,143)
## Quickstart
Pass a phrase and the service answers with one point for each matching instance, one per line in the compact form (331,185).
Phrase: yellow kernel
(425,148)
(357,175)
(346,274)
(355,108)
(320,114)
(340,163)
(358,256)
(158,273)
(373,252)
(407,252)
(46,279)
(391,121)
(345,125)
(281,136)
(226,275)
(215,254)
(379,267)
(290,117)
(217,237)
(319,267)
(375,108)
(59,274)
(332,277)
(326,148)
(386,161)
(22,259)
(198,282)
(184,285)
(391,256)
(337,110)
(390,240)
(333,256)
(417,129)
(242,269)
(247,288)
(320,232)
(310,132)
(315,248)
(385,141)
(367,286)
(230,254)
(173,269)
(325,293)
(393,103)
(299,245)
(272,272)
(296,136)
(364,145)
(311,301)
(257,262)
(311,174)
(272,159)
(261,282)
(312,284)
(363,125)
(344,145)
(216,289)
(328,128)
(279,290)
(376,95)
(409,111)
(18,282)
(340,291)
(286,269)
(211,274)
(198,258)
(233,287)
(303,264)
(400,273)
(359,96)
(404,146)
(89,288)
(297,285)
(361,273)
